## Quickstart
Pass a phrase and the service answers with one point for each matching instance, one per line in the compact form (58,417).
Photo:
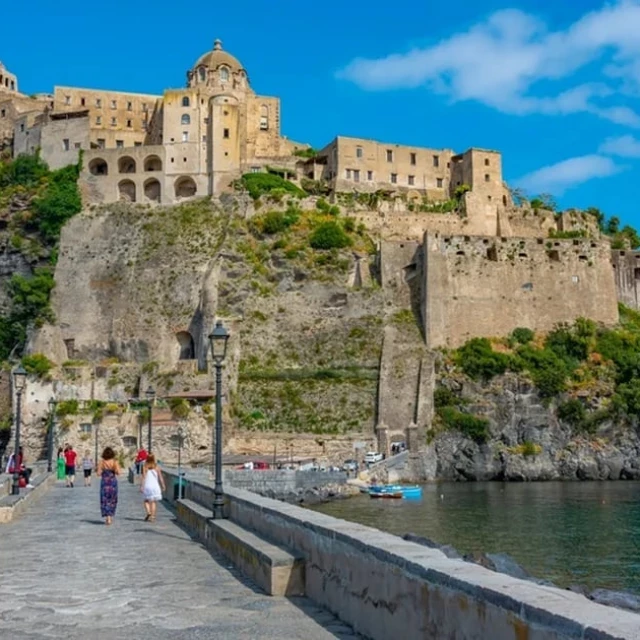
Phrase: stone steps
(273,568)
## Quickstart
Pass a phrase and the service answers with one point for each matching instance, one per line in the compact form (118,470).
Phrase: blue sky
(554,86)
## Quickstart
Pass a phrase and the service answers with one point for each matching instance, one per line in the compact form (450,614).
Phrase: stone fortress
(482,269)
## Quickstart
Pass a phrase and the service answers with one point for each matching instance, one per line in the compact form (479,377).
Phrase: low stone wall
(282,482)
(5,484)
(11,506)
(385,587)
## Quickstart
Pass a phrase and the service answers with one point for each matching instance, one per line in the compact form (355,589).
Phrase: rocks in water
(619,599)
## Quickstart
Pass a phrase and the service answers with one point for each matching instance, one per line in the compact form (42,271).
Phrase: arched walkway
(152,190)
(127,191)
(98,167)
(187,348)
(152,163)
(126,164)
(185,187)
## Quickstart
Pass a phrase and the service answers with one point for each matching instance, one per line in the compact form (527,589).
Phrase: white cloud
(624,146)
(559,177)
(500,61)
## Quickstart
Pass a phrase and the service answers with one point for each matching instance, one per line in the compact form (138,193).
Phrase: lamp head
(19,378)
(218,340)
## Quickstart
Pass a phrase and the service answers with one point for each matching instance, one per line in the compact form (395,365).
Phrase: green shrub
(529,449)
(522,335)
(30,296)
(444,397)
(479,361)
(309,152)
(572,412)
(548,372)
(349,225)
(180,407)
(25,170)
(258,184)
(315,187)
(568,344)
(475,428)
(37,364)
(67,408)
(329,235)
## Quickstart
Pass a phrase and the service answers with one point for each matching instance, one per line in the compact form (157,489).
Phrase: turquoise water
(584,533)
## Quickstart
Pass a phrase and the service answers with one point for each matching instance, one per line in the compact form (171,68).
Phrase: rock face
(517,415)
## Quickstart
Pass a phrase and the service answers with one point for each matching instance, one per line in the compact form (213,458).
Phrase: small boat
(395,491)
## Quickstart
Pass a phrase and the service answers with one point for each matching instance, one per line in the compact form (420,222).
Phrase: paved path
(64,574)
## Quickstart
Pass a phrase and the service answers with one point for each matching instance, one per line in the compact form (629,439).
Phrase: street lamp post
(151,396)
(52,411)
(180,438)
(19,382)
(218,339)
(95,454)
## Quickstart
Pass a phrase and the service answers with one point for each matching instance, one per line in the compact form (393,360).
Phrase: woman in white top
(151,486)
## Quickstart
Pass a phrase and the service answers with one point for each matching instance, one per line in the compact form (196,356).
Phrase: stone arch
(98,167)
(152,163)
(152,190)
(126,164)
(185,187)
(186,344)
(127,191)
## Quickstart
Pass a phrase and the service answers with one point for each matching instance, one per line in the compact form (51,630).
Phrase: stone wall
(386,587)
(626,271)
(280,483)
(489,286)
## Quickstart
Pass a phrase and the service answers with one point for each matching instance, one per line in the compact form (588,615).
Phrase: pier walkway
(64,574)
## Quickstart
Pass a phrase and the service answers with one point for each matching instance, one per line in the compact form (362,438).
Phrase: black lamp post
(151,396)
(180,440)
(52,411)
(95,453)
(19,383)
(218,339)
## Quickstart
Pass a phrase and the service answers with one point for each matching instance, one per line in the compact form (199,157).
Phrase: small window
(575,279)
(22,127)
(119,144)
(204,138)
(255,169)
(185,101)
(172,160)
(487,177)
(264,123)
(356,175)
(82,102)
(101,143)
(225,133)
(358,152)
(436,161)
(129,123)
(86,427)
(185,136)
(348,174)
(98,120)
(486,162)
(389,155)
(145,108)
(129,106)
(65,144)
(206,120)
(185,119)
(77,145)
(3,113)
(224,74)
(412,180)
(137,144)
(370,176)
(394,178)
(413,158)
(202,74)
(184,159)
(67,99)
(113,122)
(114,104)
(439,183)
(98,103)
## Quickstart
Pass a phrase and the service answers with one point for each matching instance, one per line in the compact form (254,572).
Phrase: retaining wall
(386,587)
(282,482)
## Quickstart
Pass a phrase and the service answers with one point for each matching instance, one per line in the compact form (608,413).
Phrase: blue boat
(395,491)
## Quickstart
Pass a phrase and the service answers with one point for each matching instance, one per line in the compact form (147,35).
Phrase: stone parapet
(11,506)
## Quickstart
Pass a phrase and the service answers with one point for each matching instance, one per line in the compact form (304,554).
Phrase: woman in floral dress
(108,470)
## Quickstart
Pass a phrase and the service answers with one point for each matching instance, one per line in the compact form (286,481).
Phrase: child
(87,466)
(152,486)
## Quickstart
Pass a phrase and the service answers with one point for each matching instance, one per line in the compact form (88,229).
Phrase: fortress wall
(626,272)
(489,286)
(527,223)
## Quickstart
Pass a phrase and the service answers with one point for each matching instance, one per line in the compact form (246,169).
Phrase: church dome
(218,58)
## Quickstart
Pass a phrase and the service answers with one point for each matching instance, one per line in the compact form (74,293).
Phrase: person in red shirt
(141,458)
(70,464)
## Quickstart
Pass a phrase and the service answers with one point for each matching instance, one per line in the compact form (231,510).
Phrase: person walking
(151,486)
(61,464)
(87,466)
(108,470)
(70,457)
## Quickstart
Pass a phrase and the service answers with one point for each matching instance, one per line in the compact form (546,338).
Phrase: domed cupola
(218,69)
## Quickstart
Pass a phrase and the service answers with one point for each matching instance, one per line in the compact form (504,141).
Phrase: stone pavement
(64,574)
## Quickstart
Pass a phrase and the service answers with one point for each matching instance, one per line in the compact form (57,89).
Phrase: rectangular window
(119,144)
(225,133)
(98,103)
(413,158)
(77,145)
(129,123)
(185,136)
(389,155)
(22,127)
(348,174)
(82,102)
(137,144)
(3,113)
(439,183)
(370,176)
(65,144)
(358,152)
(114,104)
(172,160)
(264,123)
(436,161)
(98,120)
(486,162)
(204,138)
(356,175)
(255,169)
(101,142)
(113,122)
(67,99)
(487,177)
(129,106)
(206,120)
(412,180)
(394,178)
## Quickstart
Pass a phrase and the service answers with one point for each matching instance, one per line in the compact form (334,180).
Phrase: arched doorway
(185,187)
(98,167)
(185,342)
(126,164)
(152,163)
(127,191)
(152,190)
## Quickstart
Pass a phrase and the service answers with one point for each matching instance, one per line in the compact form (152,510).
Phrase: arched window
(186,119)
(264,117)
(185,101)
(224,74)
(202,74)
